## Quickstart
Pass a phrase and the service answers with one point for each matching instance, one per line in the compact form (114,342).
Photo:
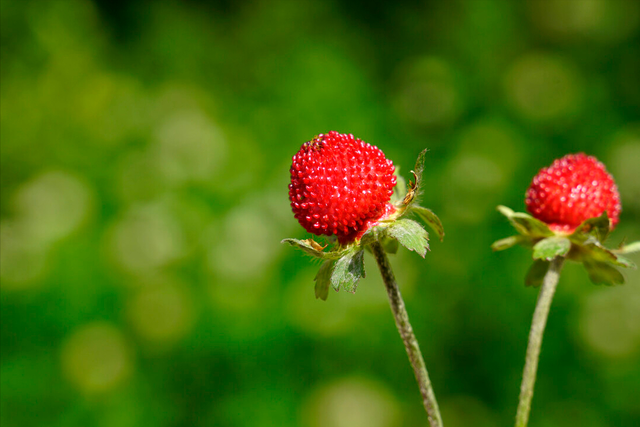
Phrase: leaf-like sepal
(625,262)
(348,270)
(536,273)
(311,247)
(551,247)
(323,279)
(411,235)
(430,219)
(508,242)
(419,169)
(628,249)
(592,229)
(598,253)
(525,224)
(414,188)
(601,273)
(583,245)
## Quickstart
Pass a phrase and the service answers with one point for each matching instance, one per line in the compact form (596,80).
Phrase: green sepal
(507,242)
(525,224)
(625,262)
(583,245)
(592,229)
(430,219)
(323,279)
(413,189)
(420,167)
(411,235)
(598,253)
(551,247)
(595,252)
(310,247)
(536,273)
(348,271)
(628,249)
(601,273)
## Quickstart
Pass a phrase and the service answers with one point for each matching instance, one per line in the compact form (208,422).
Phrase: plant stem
(538,324)
(406,333)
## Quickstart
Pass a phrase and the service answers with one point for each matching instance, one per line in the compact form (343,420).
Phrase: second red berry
(573,189)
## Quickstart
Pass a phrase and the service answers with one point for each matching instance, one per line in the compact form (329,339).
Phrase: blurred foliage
(145,149)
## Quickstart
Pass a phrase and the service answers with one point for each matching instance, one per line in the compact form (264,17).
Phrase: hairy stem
(538,324)
(406,333)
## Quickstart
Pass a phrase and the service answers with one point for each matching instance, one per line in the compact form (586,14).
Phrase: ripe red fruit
(340,185)
(573,189)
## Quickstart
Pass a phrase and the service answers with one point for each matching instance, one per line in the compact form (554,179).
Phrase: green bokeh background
(145,149)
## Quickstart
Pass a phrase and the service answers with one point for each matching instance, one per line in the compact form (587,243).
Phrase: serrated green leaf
(411,235)
(526,224)
(508,242)
(348,270)
(400,190)
(430,219)
(597,228)
(536,273)
(628,249)
(551,247)
(323,279)
(601,273)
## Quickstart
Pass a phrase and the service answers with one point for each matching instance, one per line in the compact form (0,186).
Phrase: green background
(145,153)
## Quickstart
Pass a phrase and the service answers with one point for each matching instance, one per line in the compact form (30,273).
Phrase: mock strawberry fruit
(573,189)
(340,186)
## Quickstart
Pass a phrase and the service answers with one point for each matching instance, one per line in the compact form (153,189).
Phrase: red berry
(573,189)
(340,185)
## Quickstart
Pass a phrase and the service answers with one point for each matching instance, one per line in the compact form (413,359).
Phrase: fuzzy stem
(538,324)
(406,333)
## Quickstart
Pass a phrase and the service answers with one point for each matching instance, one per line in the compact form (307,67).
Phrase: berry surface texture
(573,189)
(341,186)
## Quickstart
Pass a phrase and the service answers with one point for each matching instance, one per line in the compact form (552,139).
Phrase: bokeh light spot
(610,322)
(53,205)
(22,262)
(352,402)
(96,358)
(161,314)
(190,147)
(146,238)
(543,88)
(428,93)
(473,182)
(604,21)
(248,245)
